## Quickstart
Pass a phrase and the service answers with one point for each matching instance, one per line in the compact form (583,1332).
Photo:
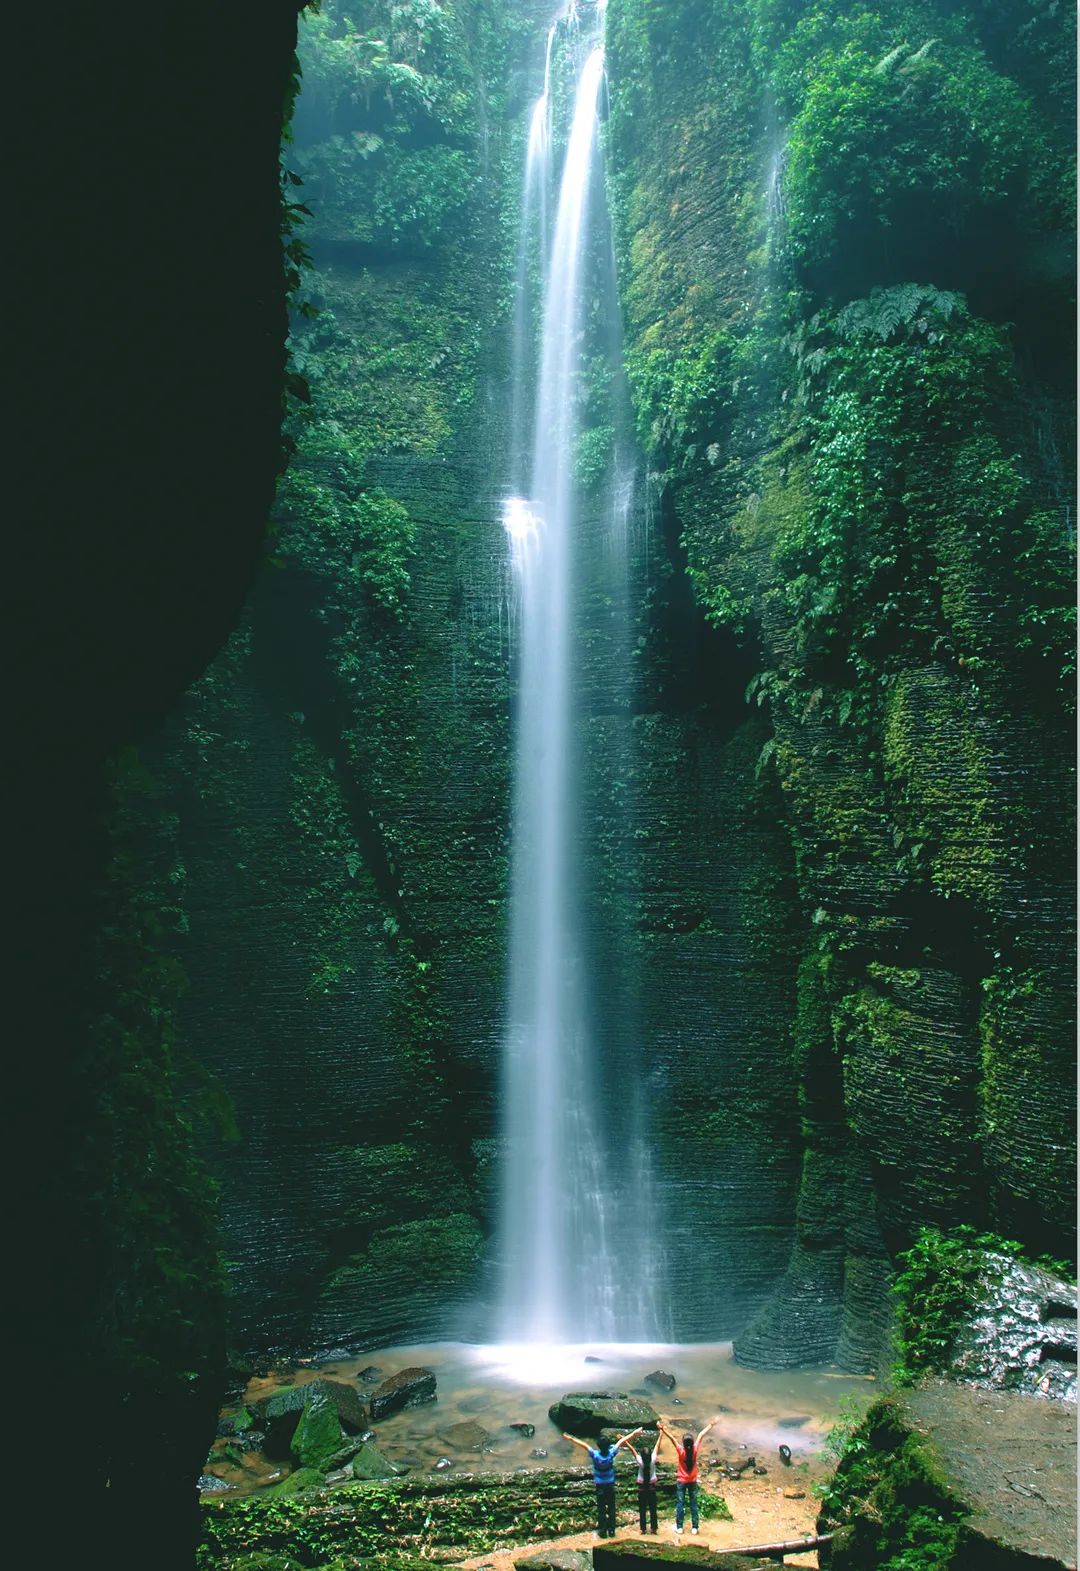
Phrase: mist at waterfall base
(577,1242)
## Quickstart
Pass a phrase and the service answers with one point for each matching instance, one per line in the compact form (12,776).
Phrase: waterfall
(561,1231)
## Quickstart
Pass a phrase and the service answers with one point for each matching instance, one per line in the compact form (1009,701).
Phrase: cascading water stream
(559,1217)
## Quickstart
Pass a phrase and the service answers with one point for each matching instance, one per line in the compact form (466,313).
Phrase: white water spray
(559,1270)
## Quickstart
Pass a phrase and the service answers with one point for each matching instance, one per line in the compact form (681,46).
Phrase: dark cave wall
(146,344)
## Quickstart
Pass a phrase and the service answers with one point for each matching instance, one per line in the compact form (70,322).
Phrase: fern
(919,56)
(887,62)
(886,311)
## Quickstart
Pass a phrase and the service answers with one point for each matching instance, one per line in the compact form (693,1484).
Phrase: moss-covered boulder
(370,1463)
(590,1412)
(317,1437)
(297,1483)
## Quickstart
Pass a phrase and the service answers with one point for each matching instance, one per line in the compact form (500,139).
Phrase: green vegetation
(889,1505)
(440,1522)
(937,1290)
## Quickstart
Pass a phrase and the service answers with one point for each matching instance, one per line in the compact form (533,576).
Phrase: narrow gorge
(590,864)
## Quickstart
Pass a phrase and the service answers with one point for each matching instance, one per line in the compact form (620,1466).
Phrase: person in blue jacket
(602,1457)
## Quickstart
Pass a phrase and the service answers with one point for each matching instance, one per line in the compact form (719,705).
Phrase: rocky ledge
(955,1478)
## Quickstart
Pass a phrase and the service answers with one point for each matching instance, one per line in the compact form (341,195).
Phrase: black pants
(646,1501)
(605,1509)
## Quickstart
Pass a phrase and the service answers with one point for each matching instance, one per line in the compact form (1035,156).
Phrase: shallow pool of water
(499,1386)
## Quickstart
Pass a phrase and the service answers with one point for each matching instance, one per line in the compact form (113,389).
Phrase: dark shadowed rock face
(589,1412)
(408,1388)
(149,355)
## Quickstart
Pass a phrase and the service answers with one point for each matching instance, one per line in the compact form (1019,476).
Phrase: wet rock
(344,1456)
(677,1401)
(304,1478)
(475,1404)
(317,1436)
(333,1355)
(785,1455)
(234,1423)
(407,1388)
(280,1413)
(209,1484)
(443,1463)
(369,1462)
(591,1358)
(340,1475)
(1023,1334)
(528,1430)
(589,1412)
(556,1560)
(794,1494)
(661,1380)
(467,1436)
(761,1472)
(538,1452)
(370,1375)
(793,1423)
(250,1440)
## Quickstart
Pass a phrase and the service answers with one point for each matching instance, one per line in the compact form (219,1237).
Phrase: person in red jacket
(686,1475)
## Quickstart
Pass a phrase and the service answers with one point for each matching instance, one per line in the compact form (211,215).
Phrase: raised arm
(664,1434)
(705,1431)
(575,1442)
(624,1440)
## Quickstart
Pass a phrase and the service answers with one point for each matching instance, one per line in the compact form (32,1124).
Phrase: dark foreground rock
(590,1412)
(957,1479)
(556,1560)
(642,1556)
(408,1388)
(661,1380)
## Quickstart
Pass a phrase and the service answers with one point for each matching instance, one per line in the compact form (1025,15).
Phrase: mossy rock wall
(865,481)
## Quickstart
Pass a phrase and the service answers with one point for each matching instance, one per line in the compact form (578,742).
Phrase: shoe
(693,1530)
(678,1530)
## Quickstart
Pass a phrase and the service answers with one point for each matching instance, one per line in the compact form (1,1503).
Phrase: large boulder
(1021,1334)
(408,1388)
(317,1437)
(588,1412)
(280,1413)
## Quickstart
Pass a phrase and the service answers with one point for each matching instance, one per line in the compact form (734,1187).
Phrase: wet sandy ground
(761,1515)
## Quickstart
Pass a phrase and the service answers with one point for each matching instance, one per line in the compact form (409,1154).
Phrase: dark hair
(603,1445)
(646,1462)
(688,1449)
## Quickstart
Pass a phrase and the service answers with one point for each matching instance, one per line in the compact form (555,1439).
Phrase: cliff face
(867,476)
(827,820)
(341,778)
(147,318)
